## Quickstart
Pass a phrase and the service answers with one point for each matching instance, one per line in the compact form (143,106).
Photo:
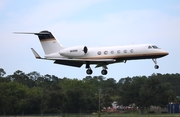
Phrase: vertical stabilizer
(48,42)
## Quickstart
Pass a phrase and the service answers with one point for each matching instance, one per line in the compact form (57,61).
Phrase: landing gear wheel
(89,71)
(155,61)
(104,72)
(156,66)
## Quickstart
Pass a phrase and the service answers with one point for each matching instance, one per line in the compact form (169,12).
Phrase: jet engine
(76,51)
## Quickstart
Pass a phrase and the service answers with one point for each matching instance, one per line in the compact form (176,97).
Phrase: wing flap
(69,63)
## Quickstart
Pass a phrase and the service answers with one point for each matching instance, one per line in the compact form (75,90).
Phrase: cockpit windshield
(152,47)
(155,47)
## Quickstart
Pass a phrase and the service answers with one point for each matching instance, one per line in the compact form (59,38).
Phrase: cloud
(125,27)
(43,14)
(2,4)
(122,27)
(37,18)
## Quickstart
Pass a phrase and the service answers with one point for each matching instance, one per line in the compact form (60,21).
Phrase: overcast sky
(89,23)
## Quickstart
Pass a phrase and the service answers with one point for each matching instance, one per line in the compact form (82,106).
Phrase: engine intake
(76,51)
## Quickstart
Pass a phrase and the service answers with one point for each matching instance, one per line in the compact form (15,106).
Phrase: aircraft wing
(69,63)
(80,62)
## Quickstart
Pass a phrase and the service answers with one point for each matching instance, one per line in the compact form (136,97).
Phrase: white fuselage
(127,52)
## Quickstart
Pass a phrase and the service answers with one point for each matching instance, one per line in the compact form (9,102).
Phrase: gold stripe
(127,56)
(50,39)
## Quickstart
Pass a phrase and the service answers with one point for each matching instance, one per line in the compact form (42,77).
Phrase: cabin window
(131,50)
(118,51)
(125,51)
(112,52)
(105,52)
(99,52)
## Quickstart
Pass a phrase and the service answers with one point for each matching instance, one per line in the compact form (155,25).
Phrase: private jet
(76,56)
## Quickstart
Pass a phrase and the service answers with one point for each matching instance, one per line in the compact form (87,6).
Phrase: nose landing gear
(156,66)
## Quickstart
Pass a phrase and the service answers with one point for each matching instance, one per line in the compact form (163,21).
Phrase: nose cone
(164,53)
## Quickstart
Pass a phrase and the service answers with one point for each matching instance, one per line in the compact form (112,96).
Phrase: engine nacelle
(76,51)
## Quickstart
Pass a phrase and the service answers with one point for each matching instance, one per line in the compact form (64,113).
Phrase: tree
(11,96)
(107,98)
(124,91)
(80,95)
(3,98)
(34,75)
(145,92)
(20,77)
(164,94)
(22,96)
(34,99)
(2,78)
(22,93)
(2,72)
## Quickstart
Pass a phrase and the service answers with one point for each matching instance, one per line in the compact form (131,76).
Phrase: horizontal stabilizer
(35,54)
(40,33)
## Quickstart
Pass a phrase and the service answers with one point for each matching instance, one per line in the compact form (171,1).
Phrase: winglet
(35,54)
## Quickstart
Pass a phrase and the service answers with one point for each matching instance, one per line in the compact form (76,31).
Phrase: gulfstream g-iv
(100,56)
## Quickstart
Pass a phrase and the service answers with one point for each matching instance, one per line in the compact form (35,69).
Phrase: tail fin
(48,42)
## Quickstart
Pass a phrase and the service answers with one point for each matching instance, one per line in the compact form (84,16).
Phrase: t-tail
(48,41)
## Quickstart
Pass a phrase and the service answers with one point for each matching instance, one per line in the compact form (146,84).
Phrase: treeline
(33,93)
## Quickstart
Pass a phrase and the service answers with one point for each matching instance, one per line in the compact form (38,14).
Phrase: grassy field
(111,115)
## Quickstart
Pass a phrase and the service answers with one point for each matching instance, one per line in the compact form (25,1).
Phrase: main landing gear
(156,66)
(89,70)
(104,71)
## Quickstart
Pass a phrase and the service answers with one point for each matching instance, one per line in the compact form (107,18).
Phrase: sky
(89,23)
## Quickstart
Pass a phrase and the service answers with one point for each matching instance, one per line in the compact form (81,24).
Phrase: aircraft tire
(104,72)
(89,71)
(156,66)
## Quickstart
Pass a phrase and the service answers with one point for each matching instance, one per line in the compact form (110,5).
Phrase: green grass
(110,115)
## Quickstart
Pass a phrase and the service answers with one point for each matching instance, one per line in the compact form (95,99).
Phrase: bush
(151,112)
(164,112)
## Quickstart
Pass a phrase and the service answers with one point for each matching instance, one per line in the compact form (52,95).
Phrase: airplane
(76,56)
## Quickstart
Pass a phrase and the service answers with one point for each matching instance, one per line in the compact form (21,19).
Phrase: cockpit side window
(149,47)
